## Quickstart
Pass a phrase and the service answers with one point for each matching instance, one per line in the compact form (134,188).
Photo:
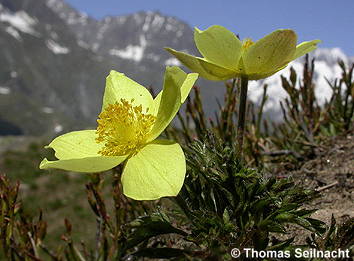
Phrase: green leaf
(271,226)
(219,45)
(282,245)
(285,217)
(207,70)
(289,206)
(318,225)
(261,239)
(304,212)
(149,227)
(226,216)
(118,87)
(156,171)
(304,222)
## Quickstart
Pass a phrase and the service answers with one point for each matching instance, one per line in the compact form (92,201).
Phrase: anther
(123,128)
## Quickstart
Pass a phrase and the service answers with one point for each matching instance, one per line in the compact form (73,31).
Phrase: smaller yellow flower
(128,125)
(226,57)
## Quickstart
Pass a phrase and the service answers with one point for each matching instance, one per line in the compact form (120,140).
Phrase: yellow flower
(128,125)
(226,57)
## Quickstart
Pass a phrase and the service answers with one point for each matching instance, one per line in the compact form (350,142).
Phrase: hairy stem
(242,115)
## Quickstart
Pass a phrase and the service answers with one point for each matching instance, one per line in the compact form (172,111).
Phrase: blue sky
(329,20)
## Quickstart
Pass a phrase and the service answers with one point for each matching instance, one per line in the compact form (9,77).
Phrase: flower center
(123,128)
(247,43)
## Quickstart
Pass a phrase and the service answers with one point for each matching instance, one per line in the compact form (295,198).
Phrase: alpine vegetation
(203,189)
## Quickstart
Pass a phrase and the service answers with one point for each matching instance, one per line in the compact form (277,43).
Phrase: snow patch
(172,20)
(83,44)
(179,34)
(153,57)
(55,4)
(102,30)
(56,48)
(4,90)
(66,13)
(147,22)
(131,52)
(74,18)
(158,21)
(107,19)
(13,74)
(21,21)
(137,17)
(170,27)
(54,35)
(95,47)
(13,32)
(121,19)
(172,62)
(47,110)
(62,16)
(58,128)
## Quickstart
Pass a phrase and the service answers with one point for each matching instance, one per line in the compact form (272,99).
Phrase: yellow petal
(86,165)
(305,47)
(78,151)
(270,53)
(207,70)
(219,46)
(118,87)
(258,76)
(76,144)
(185,89)
(176,81)
(156,171)
(187,85)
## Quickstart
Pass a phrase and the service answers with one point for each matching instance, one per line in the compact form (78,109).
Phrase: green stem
(242,115)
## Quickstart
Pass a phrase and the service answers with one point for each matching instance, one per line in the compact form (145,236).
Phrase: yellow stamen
(123,128)
(247,43)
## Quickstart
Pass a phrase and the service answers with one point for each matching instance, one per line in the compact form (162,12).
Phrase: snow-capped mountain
(137,37)
(326,67)
(54,61)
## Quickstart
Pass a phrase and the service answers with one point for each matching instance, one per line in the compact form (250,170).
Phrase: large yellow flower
(128,125)
(226,57)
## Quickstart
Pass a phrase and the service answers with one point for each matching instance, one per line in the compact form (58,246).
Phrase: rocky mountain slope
(54,61)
